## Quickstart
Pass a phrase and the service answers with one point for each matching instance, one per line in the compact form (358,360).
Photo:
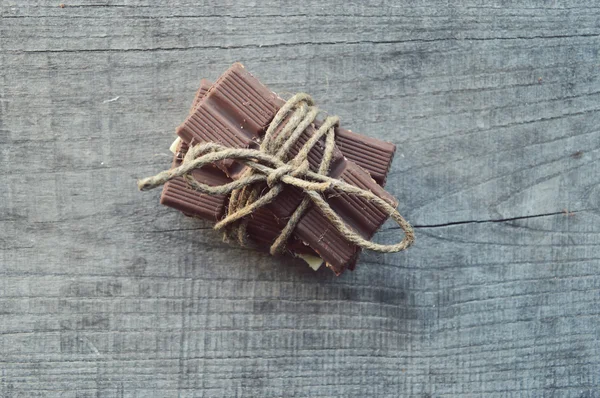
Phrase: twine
(269,165)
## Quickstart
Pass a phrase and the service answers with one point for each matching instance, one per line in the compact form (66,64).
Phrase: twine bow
(270,165)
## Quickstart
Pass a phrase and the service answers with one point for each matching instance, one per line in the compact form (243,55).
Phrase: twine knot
(274,177)
(269,165)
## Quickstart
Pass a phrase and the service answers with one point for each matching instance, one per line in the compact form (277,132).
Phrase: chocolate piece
(372,154)
(178,195)
(204,87)
(235,112)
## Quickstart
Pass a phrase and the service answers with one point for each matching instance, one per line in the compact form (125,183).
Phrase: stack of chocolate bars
(235,111)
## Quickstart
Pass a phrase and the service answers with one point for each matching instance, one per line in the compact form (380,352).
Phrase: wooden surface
(494,106)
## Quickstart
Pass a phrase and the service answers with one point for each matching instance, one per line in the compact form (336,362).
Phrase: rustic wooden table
(494,107)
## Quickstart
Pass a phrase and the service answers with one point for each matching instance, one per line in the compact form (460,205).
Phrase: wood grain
(494,106)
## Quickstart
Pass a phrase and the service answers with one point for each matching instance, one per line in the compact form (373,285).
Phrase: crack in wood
(564,212)
(298,44)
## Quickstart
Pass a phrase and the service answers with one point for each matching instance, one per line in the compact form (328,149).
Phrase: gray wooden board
(494,106)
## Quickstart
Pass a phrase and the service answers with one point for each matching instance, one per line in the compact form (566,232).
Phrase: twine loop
(269,169)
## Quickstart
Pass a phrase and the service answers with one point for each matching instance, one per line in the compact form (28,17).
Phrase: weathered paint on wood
(494,106)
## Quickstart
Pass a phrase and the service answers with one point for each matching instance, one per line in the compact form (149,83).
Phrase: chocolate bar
(373,155)
(235,112)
